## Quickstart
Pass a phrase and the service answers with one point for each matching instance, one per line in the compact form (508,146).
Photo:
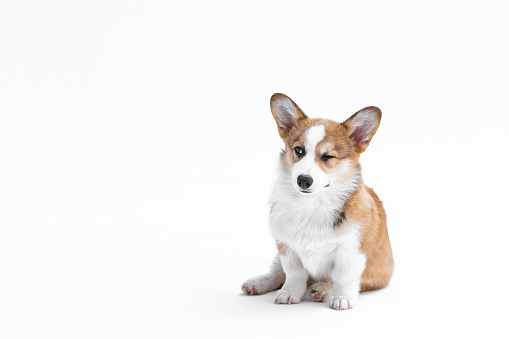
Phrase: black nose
(304,181)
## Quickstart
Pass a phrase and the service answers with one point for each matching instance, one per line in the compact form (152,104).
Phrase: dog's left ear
(362,126)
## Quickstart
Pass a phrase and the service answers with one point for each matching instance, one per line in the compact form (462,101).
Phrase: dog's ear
(362,126)
(285,112)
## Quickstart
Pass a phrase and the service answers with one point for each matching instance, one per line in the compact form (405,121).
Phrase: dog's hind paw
(260,285)
(251,287)
(319,291)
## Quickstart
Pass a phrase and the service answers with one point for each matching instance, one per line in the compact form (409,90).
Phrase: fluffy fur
(330,228)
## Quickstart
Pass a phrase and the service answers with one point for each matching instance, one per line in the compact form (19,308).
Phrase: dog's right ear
(285,112)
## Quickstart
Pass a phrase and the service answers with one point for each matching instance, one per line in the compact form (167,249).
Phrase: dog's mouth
(308,191)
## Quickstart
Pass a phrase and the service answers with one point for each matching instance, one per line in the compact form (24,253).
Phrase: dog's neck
(327,204)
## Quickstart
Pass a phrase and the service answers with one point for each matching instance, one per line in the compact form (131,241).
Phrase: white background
(137,152)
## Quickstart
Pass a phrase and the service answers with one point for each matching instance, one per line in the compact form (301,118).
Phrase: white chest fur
(308,230)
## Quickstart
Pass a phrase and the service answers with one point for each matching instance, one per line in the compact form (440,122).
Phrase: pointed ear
(362,126)
(285,112)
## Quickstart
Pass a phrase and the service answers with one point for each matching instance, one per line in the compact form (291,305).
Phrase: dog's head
(318,152)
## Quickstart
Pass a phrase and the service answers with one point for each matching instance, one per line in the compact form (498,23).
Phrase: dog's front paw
(340,302)
(319,291)
(286,297)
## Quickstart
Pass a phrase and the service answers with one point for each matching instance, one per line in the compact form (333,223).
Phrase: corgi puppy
(330,228)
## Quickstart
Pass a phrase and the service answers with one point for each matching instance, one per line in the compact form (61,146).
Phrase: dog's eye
(326,157)
(299,151)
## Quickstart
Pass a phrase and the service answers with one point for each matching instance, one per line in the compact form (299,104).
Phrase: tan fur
(335,143)
(283,132)
(281,247)
(320,290)
(365,208)
(350,126)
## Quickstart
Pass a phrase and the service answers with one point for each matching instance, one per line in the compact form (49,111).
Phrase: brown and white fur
(330,228)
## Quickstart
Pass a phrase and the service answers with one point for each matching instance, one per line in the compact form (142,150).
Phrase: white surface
(137,152)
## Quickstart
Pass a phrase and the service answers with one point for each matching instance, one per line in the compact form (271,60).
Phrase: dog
(330,228)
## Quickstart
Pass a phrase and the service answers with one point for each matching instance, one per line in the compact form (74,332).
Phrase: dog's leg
(266,282)
(296,279)
(346,279)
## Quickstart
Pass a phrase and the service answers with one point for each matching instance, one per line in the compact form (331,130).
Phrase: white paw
(253,286)
(285,297)
(340,302)
(258,285)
